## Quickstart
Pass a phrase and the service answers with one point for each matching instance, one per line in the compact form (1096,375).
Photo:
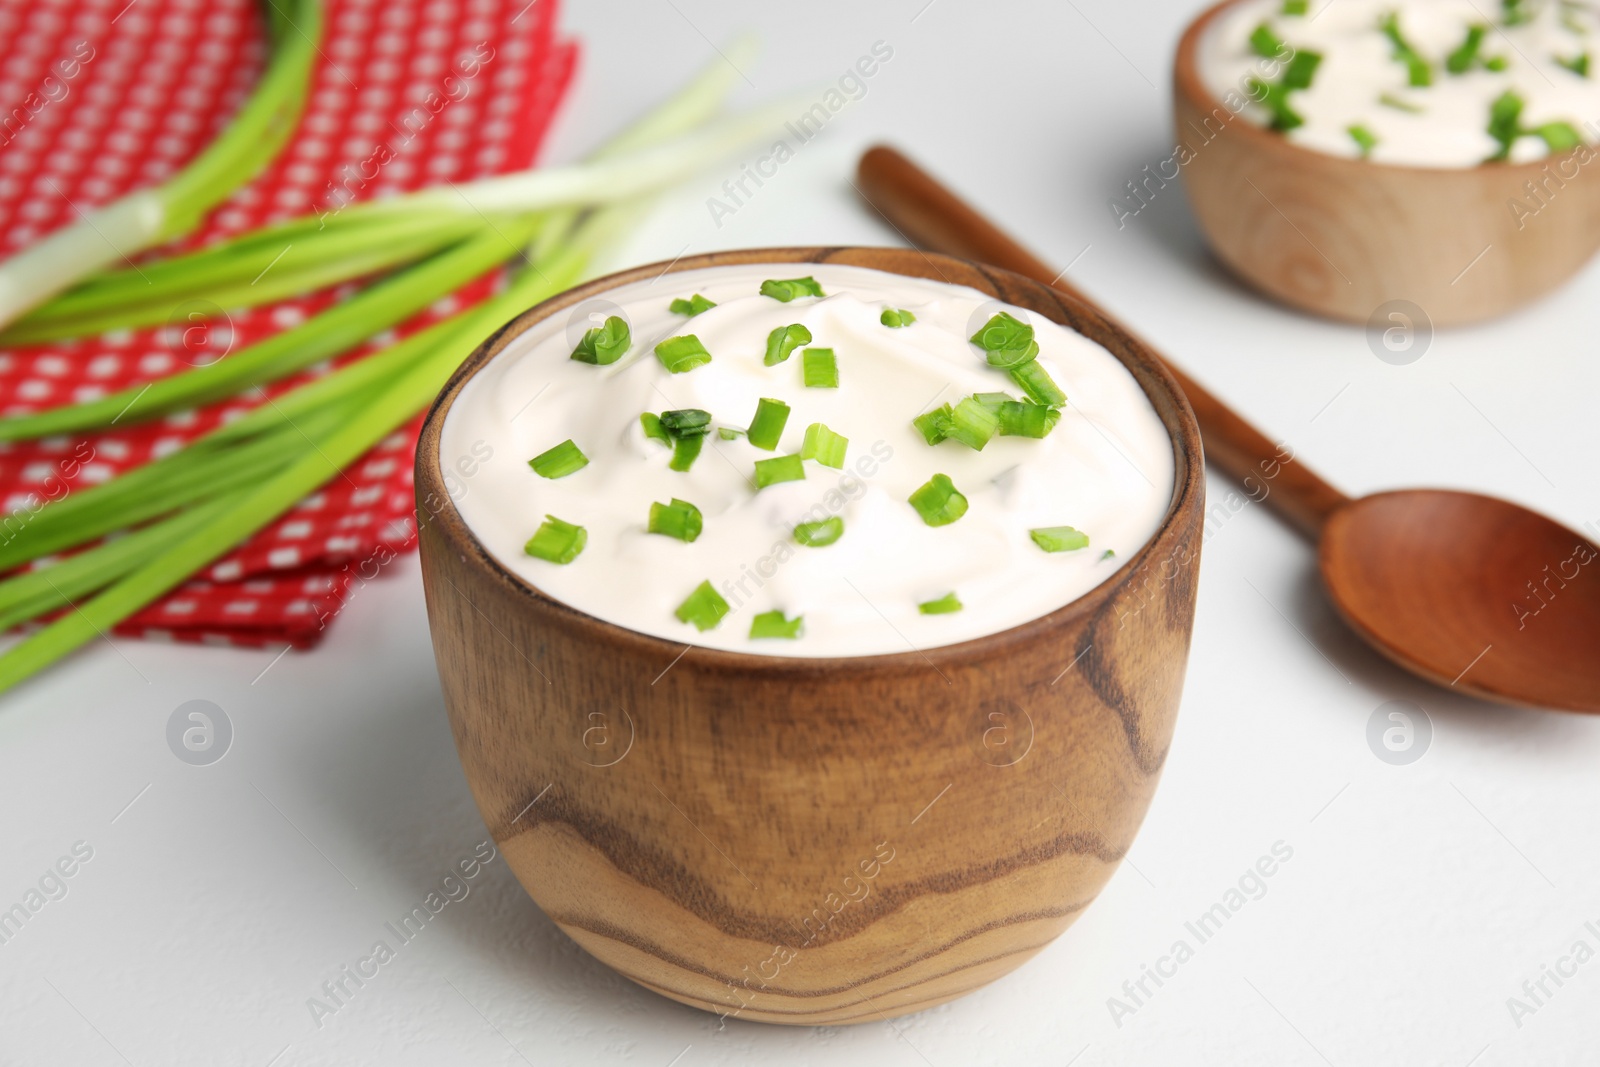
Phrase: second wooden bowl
(823,840)
(1347,239)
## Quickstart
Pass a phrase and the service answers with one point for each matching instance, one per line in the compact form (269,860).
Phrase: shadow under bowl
(1355,240)
(813,841)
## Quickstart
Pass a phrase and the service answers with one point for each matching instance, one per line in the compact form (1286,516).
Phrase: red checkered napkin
(108,96)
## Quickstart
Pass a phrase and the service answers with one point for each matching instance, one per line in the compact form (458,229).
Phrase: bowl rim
(1140,360)
(1187,83)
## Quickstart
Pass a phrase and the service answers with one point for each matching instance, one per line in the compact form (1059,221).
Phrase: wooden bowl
(1345,237)
(815,841)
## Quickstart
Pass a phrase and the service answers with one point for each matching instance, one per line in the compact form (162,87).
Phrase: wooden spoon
(1467,591)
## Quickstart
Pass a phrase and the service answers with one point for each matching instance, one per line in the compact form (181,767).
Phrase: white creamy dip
(1106,469)
(1364,80)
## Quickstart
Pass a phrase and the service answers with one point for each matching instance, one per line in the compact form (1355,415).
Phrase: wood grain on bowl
(816,841)
(1343,237)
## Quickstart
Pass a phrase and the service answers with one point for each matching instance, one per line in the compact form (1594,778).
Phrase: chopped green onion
(824,446)
(603,345)
(1295,7)
(1059,538)
(992,401)
(691,307)
(1578,64)
(779,469)
(653,428)
(948,604)
(1037,383)
(1465,58)
(933,425)
(1559,136)
(819,534)
(1003,333)
(773,624)
(679,519)
(680,354)
(938,502)
(786,290)
(685,429)
(1418,71)
(1301,70)
(1390,100)
(1006,358)
(728,433)
(1505,122)
(972,424)
(1275,98)
(1266,43)
(1364,138)
(895,318)
(1496,63)
(767,427)
(560,461)
(783,341)
(1514,14)
(557,541)
(821,369)
(686,422)
(703,609)
(684,452)
(1109,554)
(1024,418)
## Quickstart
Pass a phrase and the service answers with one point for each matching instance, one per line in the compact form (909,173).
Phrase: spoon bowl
(1472,592)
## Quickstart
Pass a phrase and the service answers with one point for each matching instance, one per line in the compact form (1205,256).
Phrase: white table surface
(1418,900)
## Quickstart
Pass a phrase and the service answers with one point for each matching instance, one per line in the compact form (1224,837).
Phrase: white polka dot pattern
(111,102)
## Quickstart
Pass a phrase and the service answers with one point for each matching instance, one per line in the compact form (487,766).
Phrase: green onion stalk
(402,294)
(146,576)
(316,251)
(338,329)
(188,509)
(150,217)
(258,268)
(371,237)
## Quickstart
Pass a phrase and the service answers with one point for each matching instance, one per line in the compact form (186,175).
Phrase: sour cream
(1444,124)
(1106,469)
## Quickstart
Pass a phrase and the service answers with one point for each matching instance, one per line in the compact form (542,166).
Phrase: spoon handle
(932,217)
